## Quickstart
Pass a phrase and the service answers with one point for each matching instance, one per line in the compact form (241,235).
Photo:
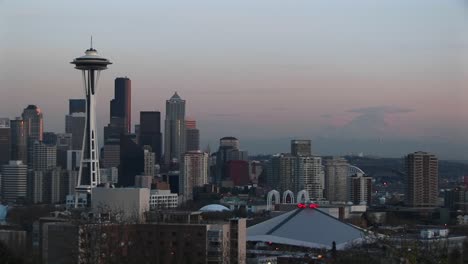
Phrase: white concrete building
(126,203)
(162,199)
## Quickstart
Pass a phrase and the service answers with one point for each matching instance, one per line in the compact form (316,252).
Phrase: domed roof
(214,208)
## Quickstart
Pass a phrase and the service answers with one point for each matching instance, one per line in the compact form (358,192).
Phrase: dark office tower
(64,144)
(300,148)
(49,138)
(5,141)
(111,153)
(33,116)
(137,132)
(121,105)
(422,179)
(19,140)
(192,135)
(75,122)
(150,132)
(76,106)
(174,136)
(226,146)
(132,160)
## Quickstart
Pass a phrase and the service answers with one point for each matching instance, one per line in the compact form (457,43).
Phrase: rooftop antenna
(91,41)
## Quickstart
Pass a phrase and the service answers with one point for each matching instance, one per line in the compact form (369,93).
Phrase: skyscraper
(121,105)
(64,143)
(228,150)
(422,179)
(90,64)
(238,172)
(310,176)
(150,158)
(76,106)
(150,132)
(75,122)
(19,140)
(281,173)
(192,135)
(111,153)
(120,110)
(5,141)
(132,160)
(361,189)
(193,139)
(49,138)
(14,181)
(193,173)
(300,148)
(33,116)
(44,156)
(174,137)
(336,179)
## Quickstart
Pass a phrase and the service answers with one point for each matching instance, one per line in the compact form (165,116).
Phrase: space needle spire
(91,64)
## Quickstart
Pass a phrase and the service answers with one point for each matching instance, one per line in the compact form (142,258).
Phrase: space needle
(91,64)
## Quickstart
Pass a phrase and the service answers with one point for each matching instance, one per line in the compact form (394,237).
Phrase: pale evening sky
(382,77)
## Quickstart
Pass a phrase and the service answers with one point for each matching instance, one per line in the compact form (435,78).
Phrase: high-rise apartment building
(310,176)
(14,181)
(192,135)
(5,141)
(336,179)
(150,162)
(150,132)
(174,136)
(193,173)
(422,179)
(361,189)
(300,148)
(19,140)
(282,171)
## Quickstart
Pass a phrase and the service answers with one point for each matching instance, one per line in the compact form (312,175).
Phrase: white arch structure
(353,170)
(285,196)
(303,196)
(271,194)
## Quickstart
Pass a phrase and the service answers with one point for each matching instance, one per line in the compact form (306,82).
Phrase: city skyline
(359,76)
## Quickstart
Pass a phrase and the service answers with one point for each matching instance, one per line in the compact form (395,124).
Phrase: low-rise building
(128,203)
(163,199)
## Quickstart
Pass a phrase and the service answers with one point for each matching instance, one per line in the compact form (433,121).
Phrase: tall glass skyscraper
(5,141)
(150,132)
(33,116)
(174,138)
(19,140)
